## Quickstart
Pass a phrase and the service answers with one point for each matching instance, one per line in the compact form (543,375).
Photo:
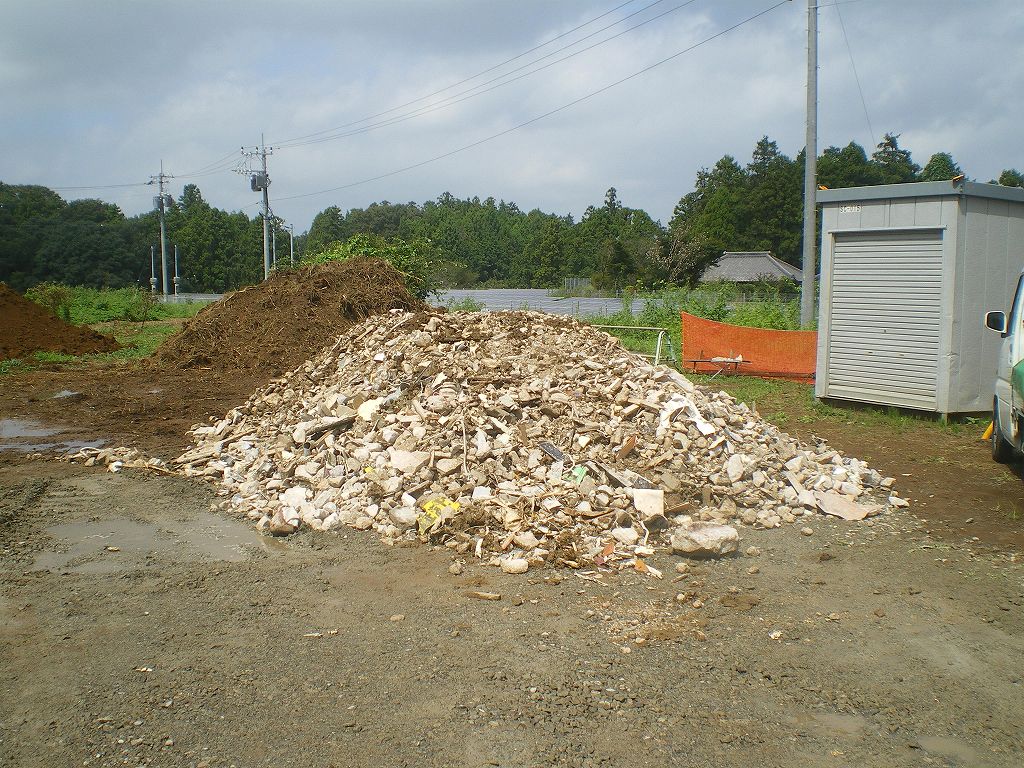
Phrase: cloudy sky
(97,93)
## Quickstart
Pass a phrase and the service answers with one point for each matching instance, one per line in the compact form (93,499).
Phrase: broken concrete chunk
(832,503)
(408,462)
(705,540)
(403,517)
(735,467)
(649,502)
(515,565)
(627,536)
(525,540)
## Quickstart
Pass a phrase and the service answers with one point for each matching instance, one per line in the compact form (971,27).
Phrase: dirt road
(139,628)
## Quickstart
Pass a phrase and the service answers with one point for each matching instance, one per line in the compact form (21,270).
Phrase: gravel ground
(139,628)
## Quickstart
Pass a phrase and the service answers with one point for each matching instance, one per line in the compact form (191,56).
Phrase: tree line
(44,238)
(755,206)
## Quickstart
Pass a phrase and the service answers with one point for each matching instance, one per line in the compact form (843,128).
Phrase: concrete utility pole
(161,203)
(259,182)
(152,269)
(273,245)
(807,302)
(291,243)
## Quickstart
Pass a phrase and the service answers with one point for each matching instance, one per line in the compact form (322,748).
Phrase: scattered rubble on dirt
(517,437)
(28,327)
(288,318)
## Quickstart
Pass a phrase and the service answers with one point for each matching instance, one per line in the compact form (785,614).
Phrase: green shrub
(55,297)
(416,259)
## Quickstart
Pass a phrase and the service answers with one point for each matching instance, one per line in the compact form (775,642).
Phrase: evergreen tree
(940,167)
(894,164)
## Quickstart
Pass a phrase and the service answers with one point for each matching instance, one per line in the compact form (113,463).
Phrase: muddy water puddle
(24,436)
(951,748)
(109,546)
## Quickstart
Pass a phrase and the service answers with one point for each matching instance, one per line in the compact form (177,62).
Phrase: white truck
(1008,403)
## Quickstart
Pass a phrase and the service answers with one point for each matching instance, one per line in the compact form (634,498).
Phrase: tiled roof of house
(749,267)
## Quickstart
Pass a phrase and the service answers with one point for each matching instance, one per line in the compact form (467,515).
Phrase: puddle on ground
(22,435)
(848,725)
(16,429)
(86,544)
(951,748)
(832,723)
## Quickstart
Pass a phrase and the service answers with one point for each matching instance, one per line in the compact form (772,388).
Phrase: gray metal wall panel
(992,258)
(883,282)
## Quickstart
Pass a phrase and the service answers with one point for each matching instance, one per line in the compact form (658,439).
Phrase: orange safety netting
(711,347)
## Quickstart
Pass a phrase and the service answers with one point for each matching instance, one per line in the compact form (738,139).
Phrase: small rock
(398,617)
(805,531)
(456,568)
(752,551)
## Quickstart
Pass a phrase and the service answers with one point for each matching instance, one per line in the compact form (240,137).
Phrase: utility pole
(273,244)
(259,182)
(807,302)
(152,269)
(161,203)
(291,243)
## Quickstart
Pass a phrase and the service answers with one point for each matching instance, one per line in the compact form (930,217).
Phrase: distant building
(750,267)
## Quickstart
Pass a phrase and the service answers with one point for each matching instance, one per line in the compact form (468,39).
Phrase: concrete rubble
(519,438)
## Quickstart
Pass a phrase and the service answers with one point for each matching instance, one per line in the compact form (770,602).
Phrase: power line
(849,50)
(232,155)
(546,114)
(471,77)
(452,100)
(229,162)
(100,186)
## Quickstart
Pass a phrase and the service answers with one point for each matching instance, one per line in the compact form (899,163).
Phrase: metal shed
(907,273)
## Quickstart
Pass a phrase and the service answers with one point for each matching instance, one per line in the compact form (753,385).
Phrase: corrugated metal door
(883,344)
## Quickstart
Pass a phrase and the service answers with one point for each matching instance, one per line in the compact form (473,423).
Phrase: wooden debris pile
(518,437)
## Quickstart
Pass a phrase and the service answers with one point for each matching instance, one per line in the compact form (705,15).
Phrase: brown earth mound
(26,327)
(283,321)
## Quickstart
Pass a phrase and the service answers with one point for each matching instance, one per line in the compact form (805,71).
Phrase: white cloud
(98,93)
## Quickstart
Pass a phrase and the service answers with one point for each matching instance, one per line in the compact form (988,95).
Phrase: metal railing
(663,341)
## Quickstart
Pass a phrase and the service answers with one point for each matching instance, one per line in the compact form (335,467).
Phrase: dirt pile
(26,327)
(287,319)
(519,437)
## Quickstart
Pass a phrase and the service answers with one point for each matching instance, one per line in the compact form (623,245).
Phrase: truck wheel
(1002,451)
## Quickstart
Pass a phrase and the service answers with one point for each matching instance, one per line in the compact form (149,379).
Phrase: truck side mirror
(996,321)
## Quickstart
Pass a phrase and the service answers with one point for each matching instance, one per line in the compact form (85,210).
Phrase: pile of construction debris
(519,437)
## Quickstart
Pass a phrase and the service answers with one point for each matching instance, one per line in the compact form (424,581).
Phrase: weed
(12,365)
(468,304)
(53,357)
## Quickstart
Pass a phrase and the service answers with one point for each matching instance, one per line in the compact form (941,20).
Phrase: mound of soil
(26,327)
(276,325)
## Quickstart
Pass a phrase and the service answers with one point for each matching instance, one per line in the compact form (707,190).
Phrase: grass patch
(139,340)
(790,403)
(87,306)
(12,366)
